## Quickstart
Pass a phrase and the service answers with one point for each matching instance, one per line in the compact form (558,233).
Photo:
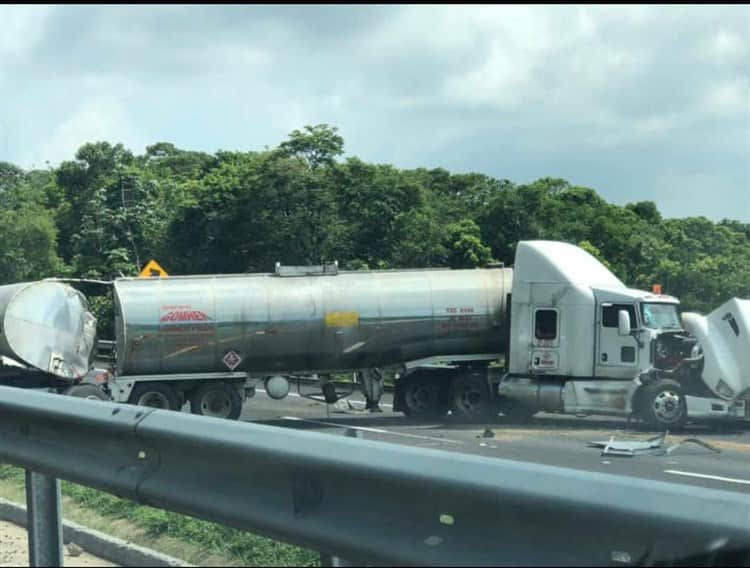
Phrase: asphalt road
(547,439)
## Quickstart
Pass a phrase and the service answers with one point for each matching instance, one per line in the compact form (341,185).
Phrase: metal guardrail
(366,501)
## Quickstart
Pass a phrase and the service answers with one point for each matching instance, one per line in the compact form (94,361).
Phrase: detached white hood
(724,335)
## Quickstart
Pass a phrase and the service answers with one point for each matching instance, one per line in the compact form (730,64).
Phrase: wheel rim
(154,400)
(667,407)
(420,398)
(469,398)
(216,403)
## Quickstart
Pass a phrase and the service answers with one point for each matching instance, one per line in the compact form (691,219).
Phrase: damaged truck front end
(724,370)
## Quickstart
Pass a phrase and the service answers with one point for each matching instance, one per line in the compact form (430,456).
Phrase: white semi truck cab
(579,341)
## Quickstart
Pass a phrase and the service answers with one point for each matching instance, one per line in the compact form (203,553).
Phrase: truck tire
(662,404)
(515,411)
(420,396)
(90,392)
(155,395)
(470,398)
(220,400)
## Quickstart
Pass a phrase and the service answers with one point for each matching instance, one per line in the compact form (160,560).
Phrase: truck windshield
(660,316)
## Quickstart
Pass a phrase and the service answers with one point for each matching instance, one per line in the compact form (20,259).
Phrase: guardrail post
(44,521)
(353,433)
(329,561)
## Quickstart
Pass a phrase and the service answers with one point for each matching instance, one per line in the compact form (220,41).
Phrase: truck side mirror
(623,323)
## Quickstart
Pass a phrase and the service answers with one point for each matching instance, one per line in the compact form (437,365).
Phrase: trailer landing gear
(371,383)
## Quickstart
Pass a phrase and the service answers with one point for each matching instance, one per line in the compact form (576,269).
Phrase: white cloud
(730,46)
(731,97)
(22,26)
(683,192)
(103,119)
(514,91)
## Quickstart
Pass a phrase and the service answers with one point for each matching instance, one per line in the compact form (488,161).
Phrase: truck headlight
(723,389)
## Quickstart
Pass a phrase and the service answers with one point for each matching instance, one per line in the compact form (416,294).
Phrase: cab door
(617,356)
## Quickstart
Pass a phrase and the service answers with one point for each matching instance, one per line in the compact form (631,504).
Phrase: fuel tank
(47,325)
(275,323)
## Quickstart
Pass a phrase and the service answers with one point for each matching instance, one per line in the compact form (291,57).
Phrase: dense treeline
(109,211)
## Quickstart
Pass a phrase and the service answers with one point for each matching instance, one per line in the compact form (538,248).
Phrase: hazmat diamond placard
(231,360)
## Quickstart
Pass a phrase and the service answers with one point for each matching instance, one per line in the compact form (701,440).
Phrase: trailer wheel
(470,398)
(662,404)
(155,395)
(420,396)
(90,392)
(220,400)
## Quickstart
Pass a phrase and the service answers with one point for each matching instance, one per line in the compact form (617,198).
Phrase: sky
(637,102)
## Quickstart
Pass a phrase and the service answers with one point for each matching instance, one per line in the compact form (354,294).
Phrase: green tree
(318,145)
(27,245)
(108,210)
(465,247)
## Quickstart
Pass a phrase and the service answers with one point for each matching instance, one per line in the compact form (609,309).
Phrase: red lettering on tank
(185,315)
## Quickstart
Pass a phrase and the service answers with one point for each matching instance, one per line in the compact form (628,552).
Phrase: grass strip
(193,540)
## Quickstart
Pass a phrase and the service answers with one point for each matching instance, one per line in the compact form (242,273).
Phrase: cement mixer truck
(571,336)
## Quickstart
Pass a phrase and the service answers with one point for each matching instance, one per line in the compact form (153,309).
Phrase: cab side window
(609,314)
(545,324)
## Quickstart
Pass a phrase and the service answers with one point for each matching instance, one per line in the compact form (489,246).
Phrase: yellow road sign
(152,269)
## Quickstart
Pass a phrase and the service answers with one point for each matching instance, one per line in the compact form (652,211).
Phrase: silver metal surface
(267,324)
(524,391)
(667,406)
(367,501)
(44,521)
(551,397)
(546,396)
(47,325)
(276,387)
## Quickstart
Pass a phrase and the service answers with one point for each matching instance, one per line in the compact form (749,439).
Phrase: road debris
(706,445)
(652,446)
(488,433)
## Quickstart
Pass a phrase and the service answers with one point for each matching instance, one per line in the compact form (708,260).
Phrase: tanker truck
(47,338)
(571,336)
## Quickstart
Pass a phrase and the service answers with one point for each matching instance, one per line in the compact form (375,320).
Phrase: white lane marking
(352,401)
(706,476)
(374,430)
